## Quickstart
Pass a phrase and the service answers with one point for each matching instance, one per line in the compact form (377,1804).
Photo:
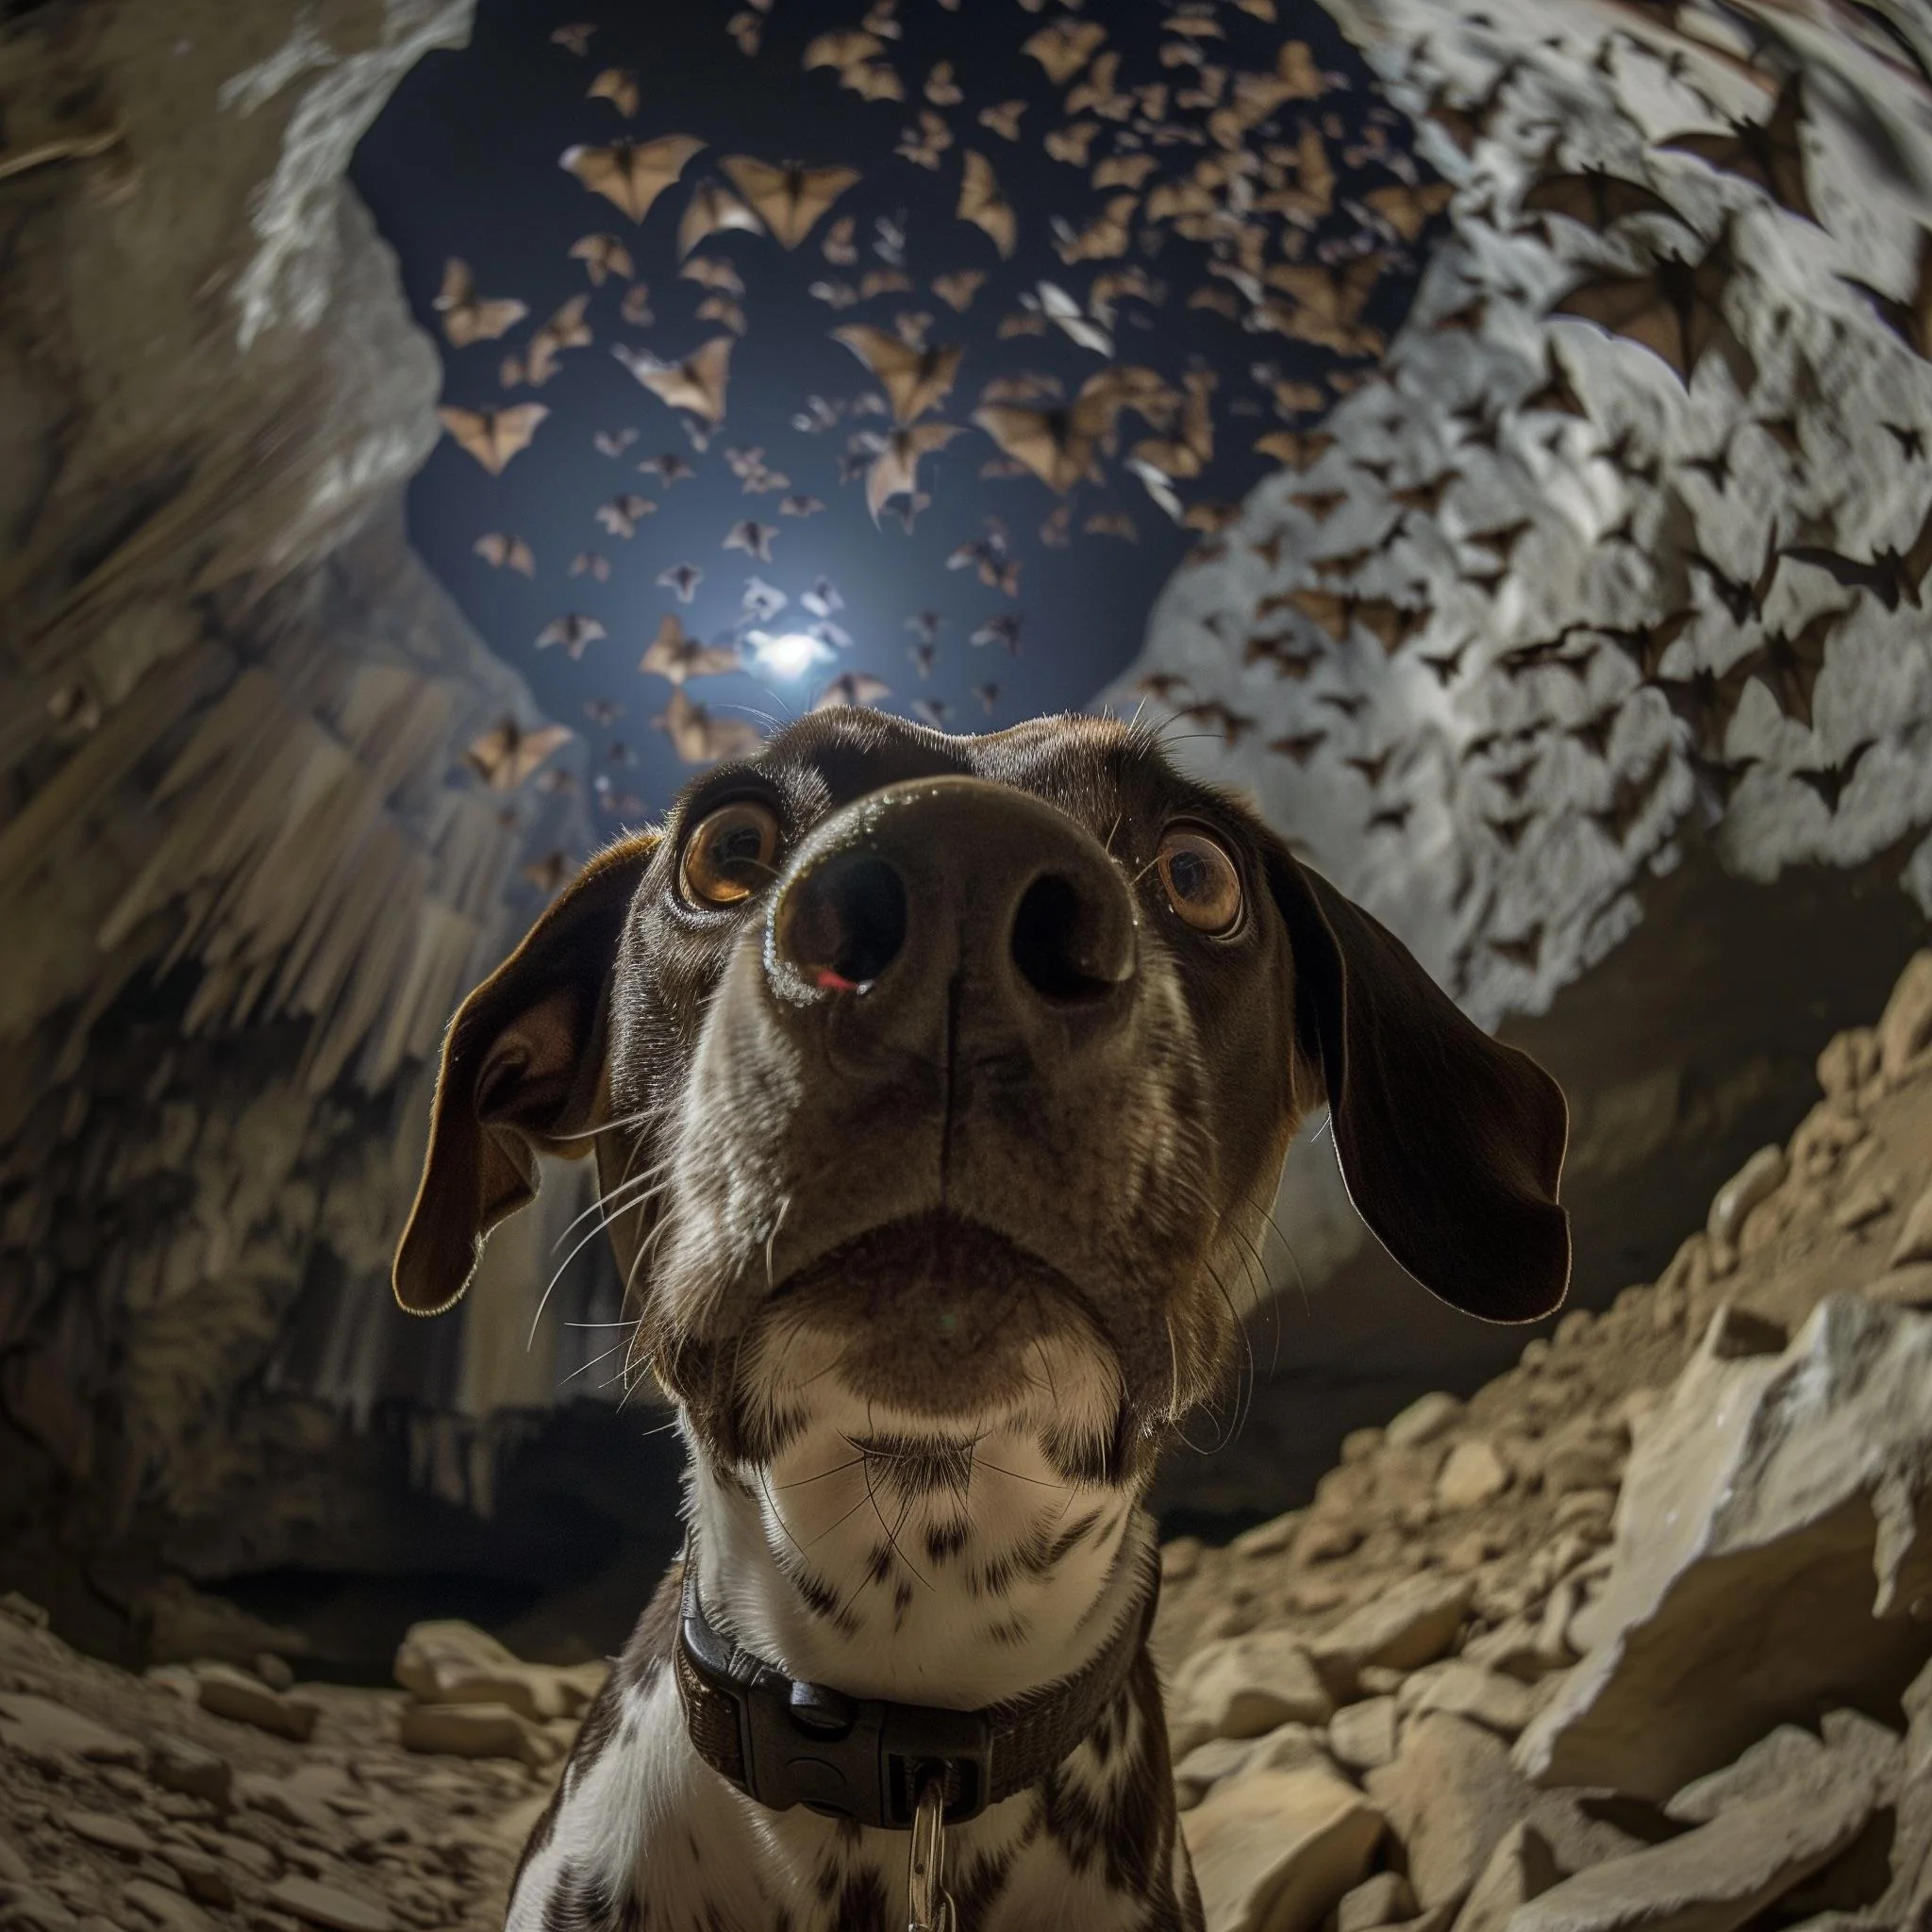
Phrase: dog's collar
(784,1742)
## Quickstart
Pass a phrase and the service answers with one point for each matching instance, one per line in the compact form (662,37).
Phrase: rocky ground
(1640,1636)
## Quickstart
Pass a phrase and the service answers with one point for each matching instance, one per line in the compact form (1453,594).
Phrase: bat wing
(712,209)
(1635,308)
(1847,571)
(982,204)
(1044,443)
(1064,48)
(843,48)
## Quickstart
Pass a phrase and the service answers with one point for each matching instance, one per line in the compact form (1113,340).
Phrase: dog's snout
(912,892)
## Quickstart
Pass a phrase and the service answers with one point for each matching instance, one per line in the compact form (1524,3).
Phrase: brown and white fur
(935,1258)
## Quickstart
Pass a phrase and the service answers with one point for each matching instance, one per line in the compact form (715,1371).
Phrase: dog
(938,1088)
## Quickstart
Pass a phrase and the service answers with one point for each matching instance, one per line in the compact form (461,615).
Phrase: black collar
(785,1743)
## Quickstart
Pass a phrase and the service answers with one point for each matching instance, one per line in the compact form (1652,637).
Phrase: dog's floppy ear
(521,1075)
(1450,1144)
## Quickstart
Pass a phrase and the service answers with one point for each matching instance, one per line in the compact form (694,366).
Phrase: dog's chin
(937,1315)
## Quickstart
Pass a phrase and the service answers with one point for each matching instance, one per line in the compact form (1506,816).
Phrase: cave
(1486,441)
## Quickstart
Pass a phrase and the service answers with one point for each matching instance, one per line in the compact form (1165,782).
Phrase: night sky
(465,162)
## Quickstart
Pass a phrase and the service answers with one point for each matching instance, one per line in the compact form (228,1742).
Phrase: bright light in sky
(788,653)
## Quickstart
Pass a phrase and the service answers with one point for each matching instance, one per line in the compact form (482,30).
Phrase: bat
(1059,445)
(957,288)
(1001,629)
(1063,49)
(576,36)
(753,538)
(1105,237)
(799,505)
(1071,143)
(635,305)
(698,738)
(1594,198)
(852,690)
(1373,768)
(713,272)
(1718,778)
(632,174)
(682,578)
(1111,523)
(1891,576)
(588,563)
(507,753)
(1410,211)
(669,468)
(1829,781)
(674,653)
(499,552)
(1295,449)
(602,256)
(1300,746)
(1645,644)
(844,49)
(934,710)
(723,310)
(788,198)
(894,472)
(1062,309)
(982,204)
(914,380)
(1674,309)
(924,145)
(467,317)
(566,329)
(603,710)
(874,81)
(711,209)
(1707,701)
(988,694)
(1788,667)
(1125,171)
(747,28)
(1555,393)
(1630,798)
(1743,600)
(1099,93)
(1770,154)
(493,436)
(1188,451)
(1113,285)
(883,281)
(940,88)
(1525,950)
(1908,317)
(839,247)
(1003,118)
(574,631)
(619,86)
(696,385)
(622,515)
(1595,732)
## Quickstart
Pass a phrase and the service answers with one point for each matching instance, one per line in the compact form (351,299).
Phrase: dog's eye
(1202,883)
(729,856)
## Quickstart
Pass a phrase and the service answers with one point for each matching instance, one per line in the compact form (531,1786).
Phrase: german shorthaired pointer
(938,1087)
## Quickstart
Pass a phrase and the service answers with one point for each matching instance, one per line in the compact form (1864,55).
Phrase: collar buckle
(859,1758)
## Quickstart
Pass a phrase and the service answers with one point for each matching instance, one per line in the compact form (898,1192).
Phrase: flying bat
(957,288)
(682,578)
(844,49)
(619,86)
(698,738)
(1908,317)
(588,563)
(669,468)
(914,380)
(790,198)
(467,317)
(1892,577)
(566,329)
(1065,47)
(1059,443)
(632,174)
(622,515)
(894,472)
(753,538)
(574,631)
(1003,118)
(712,210)
(499,551)
(493,436)
(1788,667)
(851,691)
(674,653)
(696,385)
(1674,307)
(982,204)
(507,753)
(1770,154)
(1001,629)
(602,256)
(940,88)
(1596,199)
(1829,781)
(576,36)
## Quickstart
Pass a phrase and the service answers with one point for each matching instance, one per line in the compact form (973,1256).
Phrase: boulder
(176,1765)
(1498,1703)
(1473,1475)
(1449,1796)
(329,1905)
(1402,1629)
(475,1731)
(454,1663)
(1424,1420)
(38,1727)
(1771,1540)
(224,1691)
(1521,1867)
(1759,1178)
(1904,1028)
(1362,1736)
(1239,1687)
(1383,1900)
(1275,1851)
(1914,1243)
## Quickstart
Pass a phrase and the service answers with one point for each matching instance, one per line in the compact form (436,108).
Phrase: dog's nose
(938,884)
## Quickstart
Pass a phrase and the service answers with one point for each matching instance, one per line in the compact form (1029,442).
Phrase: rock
(1904,1288)
(224,1691)
(454,1663)
(1741,1592)
(14,1869)
(1869,1202)
(1759,1178)
(1849,1061)
(1239,1687)
(1473,1475)
(1401,1628)
(1521,1867)
(176,1765)
(1720,1876)
(294,1800)
(1275,1851)
(1424,1420)
(1180,1558)
(23,1609)
(1449,1796)
(1362,1736)
(1778,1761)
(1267,1538)
(473,1730)
(37,1727)
(1383,1900)
(1904,1028)
(1914,1241)
(204,1880)
(1499,1704)
(329,1905)
(111,1831)
(1208,1764)
(167,1910)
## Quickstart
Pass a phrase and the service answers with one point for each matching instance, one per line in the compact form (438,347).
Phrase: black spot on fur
(945,1540)
(863,1904)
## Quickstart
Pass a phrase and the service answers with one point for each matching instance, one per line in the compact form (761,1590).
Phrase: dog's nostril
(845,922)
(1065,945)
